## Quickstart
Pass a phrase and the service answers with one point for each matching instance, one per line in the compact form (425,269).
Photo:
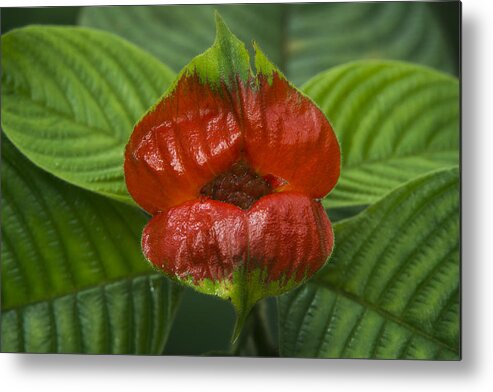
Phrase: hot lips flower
(231,165)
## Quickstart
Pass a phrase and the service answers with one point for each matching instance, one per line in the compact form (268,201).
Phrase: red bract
(231,166)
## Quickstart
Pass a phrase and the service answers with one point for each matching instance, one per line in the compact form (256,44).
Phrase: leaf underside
(70,98)
(394,121)
(73,276)
(303,39)
(391,289)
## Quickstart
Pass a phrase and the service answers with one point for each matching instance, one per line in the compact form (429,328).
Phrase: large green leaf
(73,276)
(301,39)
(394,121)
(70,98)
(391,288)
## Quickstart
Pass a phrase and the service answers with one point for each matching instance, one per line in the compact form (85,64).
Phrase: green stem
(256,339)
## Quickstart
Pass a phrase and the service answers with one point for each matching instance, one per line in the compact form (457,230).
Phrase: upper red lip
(199,132)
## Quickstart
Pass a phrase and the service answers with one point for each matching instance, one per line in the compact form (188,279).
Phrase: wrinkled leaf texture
(70,98)
(391,289)
(73,276)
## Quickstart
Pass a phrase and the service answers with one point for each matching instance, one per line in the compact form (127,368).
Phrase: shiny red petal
(287,136)
(180,145)
(198,239)
(287,235)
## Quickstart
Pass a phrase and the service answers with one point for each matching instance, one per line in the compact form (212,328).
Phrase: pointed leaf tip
(224,61)
(224,35)
(222,29)
(219,20)
(263,65)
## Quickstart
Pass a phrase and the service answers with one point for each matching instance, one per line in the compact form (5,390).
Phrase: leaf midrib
(383,313)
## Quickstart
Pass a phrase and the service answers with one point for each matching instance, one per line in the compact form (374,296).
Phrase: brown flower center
(240,186)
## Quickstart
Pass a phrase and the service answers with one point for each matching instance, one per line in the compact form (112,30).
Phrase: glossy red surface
(285,234)
(286,135)
(201,239)
(181,165)
(182,144)
(197,133)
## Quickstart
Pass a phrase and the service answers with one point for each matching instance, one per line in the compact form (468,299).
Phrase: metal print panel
(255,180)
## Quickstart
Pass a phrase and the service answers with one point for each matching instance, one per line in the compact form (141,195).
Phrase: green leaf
(73,276)
(225,61)
(302,39)
(70,98)
(391,289)
(322,36)
(176,34)
(394,121)
(337,214)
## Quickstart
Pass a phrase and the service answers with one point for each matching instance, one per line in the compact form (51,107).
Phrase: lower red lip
(287,235)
